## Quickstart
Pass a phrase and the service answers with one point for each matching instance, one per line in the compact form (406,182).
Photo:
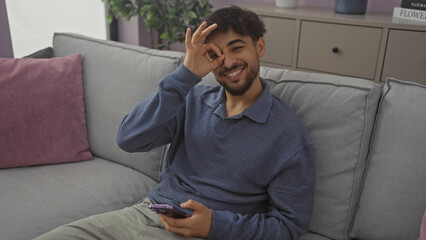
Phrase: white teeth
(232,74)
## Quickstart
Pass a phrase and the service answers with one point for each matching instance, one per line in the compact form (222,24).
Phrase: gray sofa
(369,140)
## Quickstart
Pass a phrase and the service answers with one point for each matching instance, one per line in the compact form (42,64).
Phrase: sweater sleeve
(153,121)
(290,206)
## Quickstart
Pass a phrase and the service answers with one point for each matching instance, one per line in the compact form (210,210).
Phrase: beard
(248,81)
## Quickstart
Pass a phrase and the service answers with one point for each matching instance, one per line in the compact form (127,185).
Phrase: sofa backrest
(393,200)
(339,114)
(116,77)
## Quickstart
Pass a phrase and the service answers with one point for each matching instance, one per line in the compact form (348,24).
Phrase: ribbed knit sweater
(255,170)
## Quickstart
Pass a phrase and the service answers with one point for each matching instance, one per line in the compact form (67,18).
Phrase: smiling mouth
(234,74)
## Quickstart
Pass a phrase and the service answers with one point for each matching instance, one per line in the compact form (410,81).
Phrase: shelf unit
(373,46)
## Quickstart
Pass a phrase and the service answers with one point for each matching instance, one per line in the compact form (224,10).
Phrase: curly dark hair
(242,21)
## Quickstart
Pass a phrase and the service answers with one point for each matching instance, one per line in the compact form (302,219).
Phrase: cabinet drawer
(406,56)
(279,40)
(340,49)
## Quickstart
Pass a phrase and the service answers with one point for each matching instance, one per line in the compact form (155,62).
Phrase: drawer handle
(335,49)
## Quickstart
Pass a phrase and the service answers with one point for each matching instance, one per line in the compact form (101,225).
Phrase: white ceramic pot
(286,3)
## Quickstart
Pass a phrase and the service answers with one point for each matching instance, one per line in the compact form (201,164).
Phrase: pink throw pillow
(42,117)
(423,228)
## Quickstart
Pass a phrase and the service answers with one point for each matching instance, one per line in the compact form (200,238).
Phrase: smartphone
(168,210)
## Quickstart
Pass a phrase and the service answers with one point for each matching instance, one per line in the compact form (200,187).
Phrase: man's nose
(229,61)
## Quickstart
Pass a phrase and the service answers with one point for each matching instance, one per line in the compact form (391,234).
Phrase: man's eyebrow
(235,41)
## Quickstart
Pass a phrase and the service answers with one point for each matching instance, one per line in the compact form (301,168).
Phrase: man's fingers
(179,230)
(188,37)
(218,61)
(212,48)
(168,223)
(214,55)
(206,32)
(198,32)
(202,32)
(171,222)
(192,204)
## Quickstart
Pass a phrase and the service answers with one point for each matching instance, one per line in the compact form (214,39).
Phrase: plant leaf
(192,15)
(164,35)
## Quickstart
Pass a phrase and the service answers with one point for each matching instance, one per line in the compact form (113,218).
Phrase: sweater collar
(257,112)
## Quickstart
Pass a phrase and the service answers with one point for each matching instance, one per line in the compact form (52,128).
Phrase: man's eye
(237,48)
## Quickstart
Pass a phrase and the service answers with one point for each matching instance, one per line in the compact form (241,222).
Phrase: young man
(240,161)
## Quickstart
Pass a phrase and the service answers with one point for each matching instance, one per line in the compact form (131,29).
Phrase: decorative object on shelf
(286,3)
(411,10)
(414,4)
(410,14)
(350,6)
(169,18)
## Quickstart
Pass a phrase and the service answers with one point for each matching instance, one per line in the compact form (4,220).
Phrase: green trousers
(132,223)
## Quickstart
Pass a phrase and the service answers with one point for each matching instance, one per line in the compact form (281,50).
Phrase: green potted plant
(169,18)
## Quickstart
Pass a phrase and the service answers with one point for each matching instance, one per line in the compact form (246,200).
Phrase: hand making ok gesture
(196,59)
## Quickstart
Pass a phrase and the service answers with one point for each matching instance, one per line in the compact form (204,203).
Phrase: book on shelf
(410,14)
(414,4)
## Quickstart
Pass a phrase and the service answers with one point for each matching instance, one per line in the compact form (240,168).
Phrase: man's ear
(260,47)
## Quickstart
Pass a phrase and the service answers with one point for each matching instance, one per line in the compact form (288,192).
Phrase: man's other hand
(198,225)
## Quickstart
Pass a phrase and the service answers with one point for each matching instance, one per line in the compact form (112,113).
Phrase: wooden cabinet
(283,34)
(339,49)
(408,49)
(370,46)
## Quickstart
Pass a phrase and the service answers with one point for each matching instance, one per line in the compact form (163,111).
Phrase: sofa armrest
(43,53)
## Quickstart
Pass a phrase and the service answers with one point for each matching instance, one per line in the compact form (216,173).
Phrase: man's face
(241,64)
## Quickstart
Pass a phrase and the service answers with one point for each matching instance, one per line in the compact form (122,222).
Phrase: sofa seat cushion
(393,199)
(37,199)
(313,236)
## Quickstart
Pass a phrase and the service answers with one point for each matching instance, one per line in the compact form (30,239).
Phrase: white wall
(33,22)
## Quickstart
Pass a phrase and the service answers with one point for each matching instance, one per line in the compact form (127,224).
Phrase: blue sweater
(255,171)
